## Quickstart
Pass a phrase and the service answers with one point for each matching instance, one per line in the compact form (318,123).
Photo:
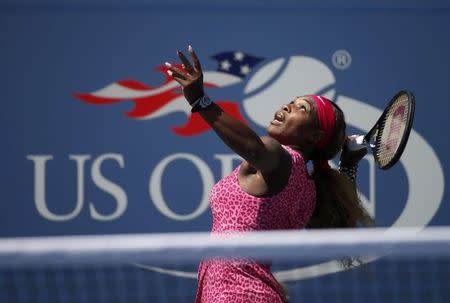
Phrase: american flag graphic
(152,102)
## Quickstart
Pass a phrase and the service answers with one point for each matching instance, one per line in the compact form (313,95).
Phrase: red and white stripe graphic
(154,102)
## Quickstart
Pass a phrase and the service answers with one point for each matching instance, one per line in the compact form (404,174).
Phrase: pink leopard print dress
(233,210)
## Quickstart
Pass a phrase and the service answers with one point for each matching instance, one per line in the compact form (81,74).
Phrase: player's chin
(274,130)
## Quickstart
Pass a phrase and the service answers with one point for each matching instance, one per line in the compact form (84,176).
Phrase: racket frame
(374,132)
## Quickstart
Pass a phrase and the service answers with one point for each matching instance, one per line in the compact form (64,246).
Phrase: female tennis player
(272,189)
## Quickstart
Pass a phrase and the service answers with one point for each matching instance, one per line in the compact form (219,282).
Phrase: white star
(225,65)
(239,56)
(245,69)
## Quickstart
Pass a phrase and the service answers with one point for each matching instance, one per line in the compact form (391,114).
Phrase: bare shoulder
(272,177)
(273,157)
(271,144)
(278,154)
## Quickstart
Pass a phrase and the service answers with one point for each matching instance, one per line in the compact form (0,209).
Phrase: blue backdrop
(97,140)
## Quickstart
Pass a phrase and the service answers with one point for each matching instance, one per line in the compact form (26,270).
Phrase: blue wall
(145,172)
(95,140)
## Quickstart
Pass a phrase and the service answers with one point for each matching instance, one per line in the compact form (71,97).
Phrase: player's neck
(305,152)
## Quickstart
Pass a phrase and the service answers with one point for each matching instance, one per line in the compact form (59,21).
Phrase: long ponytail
(337,201)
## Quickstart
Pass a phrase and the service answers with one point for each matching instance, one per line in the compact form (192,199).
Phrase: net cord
(188,247)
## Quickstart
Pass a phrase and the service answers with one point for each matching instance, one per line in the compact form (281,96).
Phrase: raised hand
(190,77)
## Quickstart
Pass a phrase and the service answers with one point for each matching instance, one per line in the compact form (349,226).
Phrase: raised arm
(263,154)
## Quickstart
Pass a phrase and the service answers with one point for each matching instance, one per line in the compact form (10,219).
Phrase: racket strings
(392,130)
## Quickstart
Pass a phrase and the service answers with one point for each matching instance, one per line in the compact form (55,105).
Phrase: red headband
(325,115)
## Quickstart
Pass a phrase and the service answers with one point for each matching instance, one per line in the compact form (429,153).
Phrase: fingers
(190,75)
(181,81)
(352,153)
(187,65)
(175,71)
(176,74)
(195,60)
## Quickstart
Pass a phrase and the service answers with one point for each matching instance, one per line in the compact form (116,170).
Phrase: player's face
(295,123)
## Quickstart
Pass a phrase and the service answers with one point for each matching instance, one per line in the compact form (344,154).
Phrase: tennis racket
(388,137)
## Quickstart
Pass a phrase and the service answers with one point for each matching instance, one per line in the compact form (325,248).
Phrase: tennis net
(397,265)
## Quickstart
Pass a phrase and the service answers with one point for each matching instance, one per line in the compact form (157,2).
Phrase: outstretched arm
(264,155)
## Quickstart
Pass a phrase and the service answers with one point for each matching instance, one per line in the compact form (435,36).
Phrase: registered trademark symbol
(341,59)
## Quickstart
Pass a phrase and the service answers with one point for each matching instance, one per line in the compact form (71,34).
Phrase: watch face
(205,101)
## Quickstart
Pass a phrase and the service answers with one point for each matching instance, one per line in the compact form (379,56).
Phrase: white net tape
(400,265)
(195,246)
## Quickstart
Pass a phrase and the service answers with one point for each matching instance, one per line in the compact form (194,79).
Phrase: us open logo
(267,85)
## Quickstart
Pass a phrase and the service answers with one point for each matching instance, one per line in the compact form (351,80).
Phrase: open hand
(190,77)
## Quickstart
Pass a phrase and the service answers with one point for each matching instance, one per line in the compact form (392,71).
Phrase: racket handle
(356,143)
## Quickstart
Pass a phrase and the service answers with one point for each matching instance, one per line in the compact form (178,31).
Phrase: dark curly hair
(337,201)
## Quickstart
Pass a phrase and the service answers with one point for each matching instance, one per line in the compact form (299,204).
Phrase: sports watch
(201,103)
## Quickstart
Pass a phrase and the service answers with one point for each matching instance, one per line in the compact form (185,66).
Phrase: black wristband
(202,103)
(350,172)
